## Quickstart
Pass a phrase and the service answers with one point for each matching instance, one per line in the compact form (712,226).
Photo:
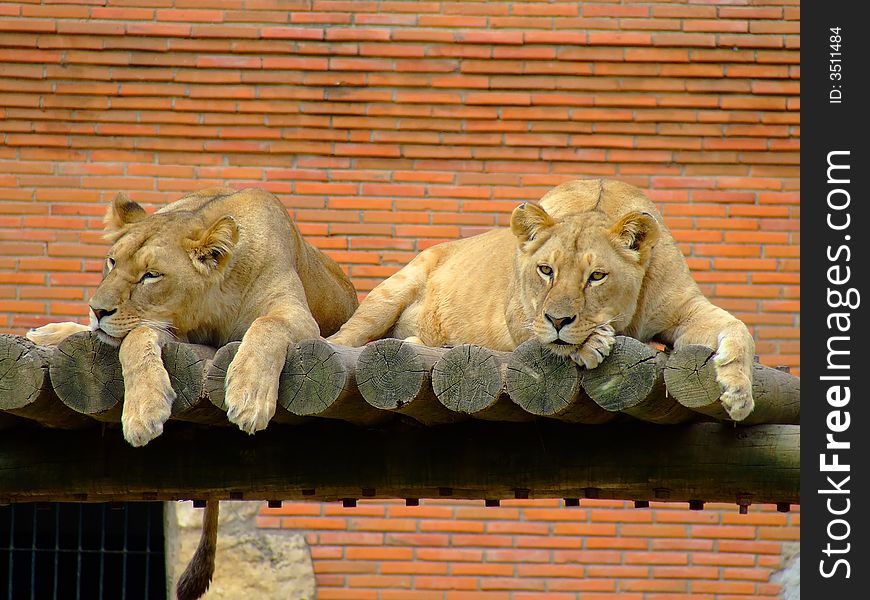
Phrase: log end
(390,374)
(86,374)
(217,373)
(541,382)
(23,371)
(691,377)
(184,367)
(313,378)
(468,379)
(624,378)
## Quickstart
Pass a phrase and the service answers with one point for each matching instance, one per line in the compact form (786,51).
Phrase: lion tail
(196,578)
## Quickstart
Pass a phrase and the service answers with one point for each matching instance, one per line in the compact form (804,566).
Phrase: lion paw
(738,402)
(596,347)
(54,333)
(736,387)
(251,391)
(147,406)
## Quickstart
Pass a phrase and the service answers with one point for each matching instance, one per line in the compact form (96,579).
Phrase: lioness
(592,260)
(217,265)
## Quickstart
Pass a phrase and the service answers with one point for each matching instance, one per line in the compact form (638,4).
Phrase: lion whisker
(161,326)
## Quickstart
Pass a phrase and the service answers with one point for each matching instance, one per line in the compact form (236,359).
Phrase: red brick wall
(455,550)
(388,126)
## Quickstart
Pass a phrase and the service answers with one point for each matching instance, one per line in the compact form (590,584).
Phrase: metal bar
(11,548)
(147,551)
(102,547)
(33,557)
(56,550)
(79,558)
(124,554)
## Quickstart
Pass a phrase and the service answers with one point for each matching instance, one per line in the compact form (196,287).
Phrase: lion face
(159,271)
(580,272)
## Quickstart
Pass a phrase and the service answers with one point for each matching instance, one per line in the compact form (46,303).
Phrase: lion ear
(122,212)
(638,233)
(212,249)
(528,221)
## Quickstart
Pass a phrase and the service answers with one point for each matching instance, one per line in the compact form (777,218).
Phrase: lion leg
(381,309)
(54,333)
(148,393)
(715,328)
(252,378)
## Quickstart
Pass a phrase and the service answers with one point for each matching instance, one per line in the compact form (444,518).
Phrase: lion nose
(559,322)
(99,313)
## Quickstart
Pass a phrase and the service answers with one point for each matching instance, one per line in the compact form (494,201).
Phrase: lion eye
(149,277)
(545,270)
(597,276)
(110,264)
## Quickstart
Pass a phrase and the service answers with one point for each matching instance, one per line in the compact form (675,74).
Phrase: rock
(250,562)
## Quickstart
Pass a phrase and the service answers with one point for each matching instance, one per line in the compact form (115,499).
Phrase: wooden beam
(691,378)
(372,385)
(330,460)
(86,376)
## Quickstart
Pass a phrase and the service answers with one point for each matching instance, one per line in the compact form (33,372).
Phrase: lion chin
(108,339)
(560,346)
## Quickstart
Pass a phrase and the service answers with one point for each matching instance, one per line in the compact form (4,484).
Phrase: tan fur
(490,290)
(216,266)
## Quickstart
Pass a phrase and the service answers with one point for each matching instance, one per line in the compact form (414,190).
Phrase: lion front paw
(734,375)
(54,333)
(252,390)
(147,406)
(596,347)
(738,402)
(736,385)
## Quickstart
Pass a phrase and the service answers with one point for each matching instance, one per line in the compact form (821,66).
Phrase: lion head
(580,272)
(160,271)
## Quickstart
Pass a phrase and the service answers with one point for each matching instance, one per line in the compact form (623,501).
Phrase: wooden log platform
(691,378)
(80,382)
(338,406)
(329,460)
